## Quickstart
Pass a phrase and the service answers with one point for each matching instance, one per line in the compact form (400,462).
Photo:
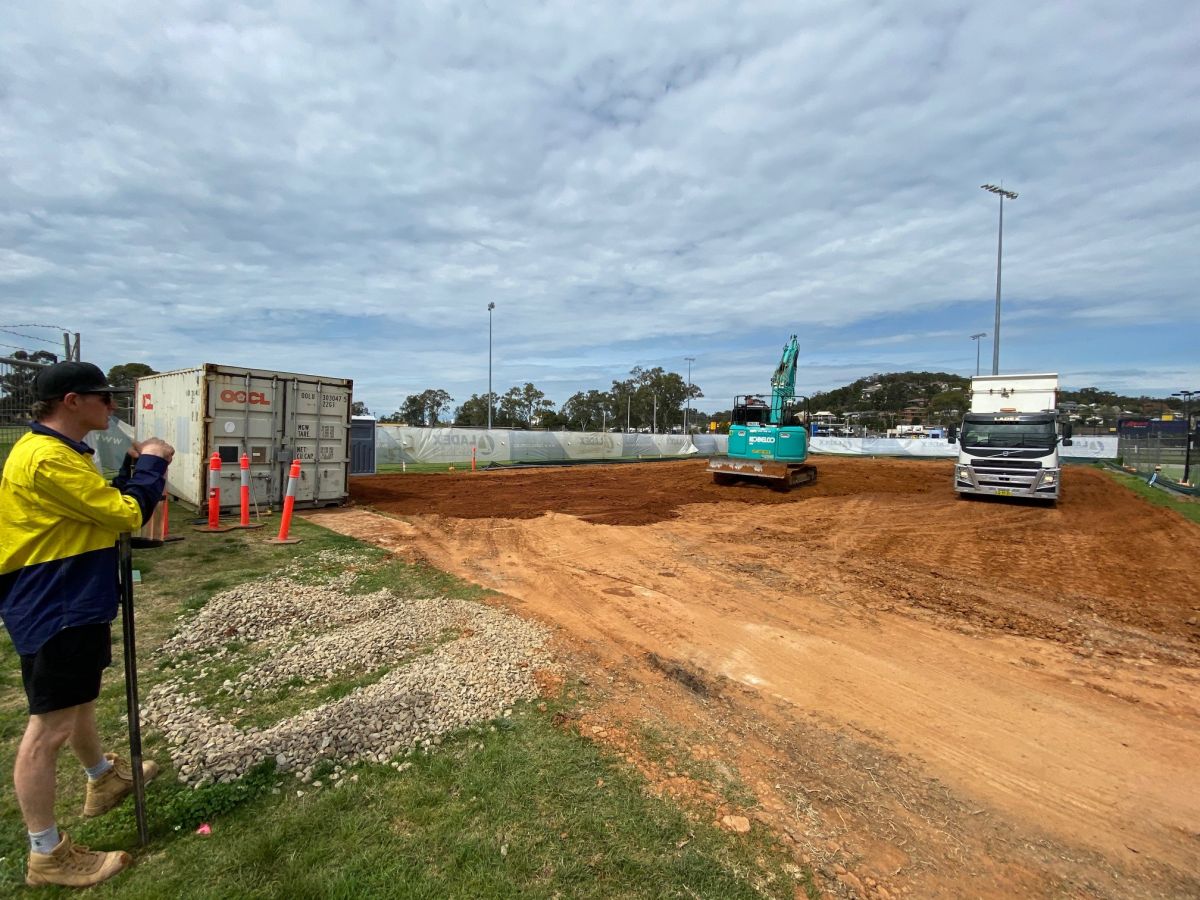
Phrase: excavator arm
(783,382)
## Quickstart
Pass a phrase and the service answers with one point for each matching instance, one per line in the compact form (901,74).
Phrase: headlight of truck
(1049,478)
(962,473)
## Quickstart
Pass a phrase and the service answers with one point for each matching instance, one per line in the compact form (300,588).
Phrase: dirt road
(927,695)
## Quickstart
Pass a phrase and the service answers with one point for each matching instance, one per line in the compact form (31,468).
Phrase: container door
(244,408)
(318,423)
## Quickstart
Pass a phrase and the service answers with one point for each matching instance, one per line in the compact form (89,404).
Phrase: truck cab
(1010,455)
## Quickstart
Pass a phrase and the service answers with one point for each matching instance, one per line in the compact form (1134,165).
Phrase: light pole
(491,306)
(1011,195)
(975,338)
(687,409)
(1187,431)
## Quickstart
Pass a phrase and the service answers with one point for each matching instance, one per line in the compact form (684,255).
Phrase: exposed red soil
(929,696)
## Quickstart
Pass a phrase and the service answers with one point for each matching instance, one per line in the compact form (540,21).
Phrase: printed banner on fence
(401,443)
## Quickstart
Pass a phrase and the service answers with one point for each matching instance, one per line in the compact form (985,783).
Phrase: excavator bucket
(780,475)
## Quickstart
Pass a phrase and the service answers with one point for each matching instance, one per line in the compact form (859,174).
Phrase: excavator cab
(750,409)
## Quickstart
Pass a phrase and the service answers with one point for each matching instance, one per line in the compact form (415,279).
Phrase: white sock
(44,841)
(98,769)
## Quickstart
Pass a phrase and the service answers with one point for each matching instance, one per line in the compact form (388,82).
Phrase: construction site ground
(923,696)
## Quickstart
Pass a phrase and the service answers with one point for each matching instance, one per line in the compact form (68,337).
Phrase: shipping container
(272,417)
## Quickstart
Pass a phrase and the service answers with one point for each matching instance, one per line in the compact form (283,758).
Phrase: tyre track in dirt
(886,613)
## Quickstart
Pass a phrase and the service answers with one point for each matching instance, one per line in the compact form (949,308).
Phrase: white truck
(1008,443)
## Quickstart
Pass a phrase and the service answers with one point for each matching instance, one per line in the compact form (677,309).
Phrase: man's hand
(154,447)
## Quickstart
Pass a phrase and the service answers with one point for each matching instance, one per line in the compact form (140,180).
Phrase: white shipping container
(1014,393)
(272,417)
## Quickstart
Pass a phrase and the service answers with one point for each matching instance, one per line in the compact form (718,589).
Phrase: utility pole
(628,402)
(491,306)
(654,421)
(1010,195)
(975,338)
(688,408)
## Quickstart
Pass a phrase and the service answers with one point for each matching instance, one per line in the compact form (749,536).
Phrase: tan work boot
(114,785)
(74,866)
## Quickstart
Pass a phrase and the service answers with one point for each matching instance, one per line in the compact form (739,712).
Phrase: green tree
(358,408)
(949,404)
(474,411)
(425,408)
(589,410)
(524,405)
(127,374)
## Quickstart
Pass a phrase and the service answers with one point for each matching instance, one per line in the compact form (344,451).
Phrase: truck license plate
(1003,492)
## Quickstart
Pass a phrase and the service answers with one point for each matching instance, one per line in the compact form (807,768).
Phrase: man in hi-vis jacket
(59,523)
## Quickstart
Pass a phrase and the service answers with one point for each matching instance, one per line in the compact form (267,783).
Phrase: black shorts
(66,670)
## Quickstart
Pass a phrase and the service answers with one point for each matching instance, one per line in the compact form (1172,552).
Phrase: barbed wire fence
(19,365)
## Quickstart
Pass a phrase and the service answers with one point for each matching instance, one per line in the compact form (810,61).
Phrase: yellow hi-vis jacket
(59,522)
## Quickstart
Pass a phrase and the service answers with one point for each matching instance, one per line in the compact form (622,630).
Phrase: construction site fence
(396,444)
(1082,448)
(404,444)
(1164,454)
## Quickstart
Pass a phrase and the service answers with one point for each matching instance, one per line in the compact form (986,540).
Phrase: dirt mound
(626,494)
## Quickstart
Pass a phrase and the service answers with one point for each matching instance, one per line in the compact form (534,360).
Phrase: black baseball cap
(56,381)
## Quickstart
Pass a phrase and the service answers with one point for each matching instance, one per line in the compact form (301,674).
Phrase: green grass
(1189,509)
(518,807)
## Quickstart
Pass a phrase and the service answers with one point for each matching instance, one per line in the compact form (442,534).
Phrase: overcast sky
(340,189)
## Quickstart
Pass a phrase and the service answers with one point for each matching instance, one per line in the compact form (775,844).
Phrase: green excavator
(767,442)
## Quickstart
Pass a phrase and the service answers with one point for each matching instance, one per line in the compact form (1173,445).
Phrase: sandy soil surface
(928,696)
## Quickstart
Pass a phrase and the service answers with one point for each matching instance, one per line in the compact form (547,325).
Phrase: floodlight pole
(975,338)
(1011,195)
(687,409)
(491,306)
(1187,431)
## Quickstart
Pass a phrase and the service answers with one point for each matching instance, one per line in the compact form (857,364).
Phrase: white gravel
(320,633)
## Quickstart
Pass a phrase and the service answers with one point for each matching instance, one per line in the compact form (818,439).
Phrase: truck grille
(1017,474)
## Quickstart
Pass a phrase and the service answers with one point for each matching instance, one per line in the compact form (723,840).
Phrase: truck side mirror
(952,435)
(1067,442)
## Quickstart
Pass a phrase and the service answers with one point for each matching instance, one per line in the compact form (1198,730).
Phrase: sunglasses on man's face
(106,397)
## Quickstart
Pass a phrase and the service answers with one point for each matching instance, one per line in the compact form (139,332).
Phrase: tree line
(648,398)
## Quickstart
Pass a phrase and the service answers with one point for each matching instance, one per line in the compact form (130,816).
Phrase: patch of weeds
(180,808)
(296,695)
(670,753)
(809,883)
(216,671)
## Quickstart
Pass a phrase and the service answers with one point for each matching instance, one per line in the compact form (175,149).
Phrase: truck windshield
(1033,435)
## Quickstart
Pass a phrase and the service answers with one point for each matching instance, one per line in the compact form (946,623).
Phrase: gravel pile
(450,664)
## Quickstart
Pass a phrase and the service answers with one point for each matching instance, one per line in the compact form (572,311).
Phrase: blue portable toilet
(362,445)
